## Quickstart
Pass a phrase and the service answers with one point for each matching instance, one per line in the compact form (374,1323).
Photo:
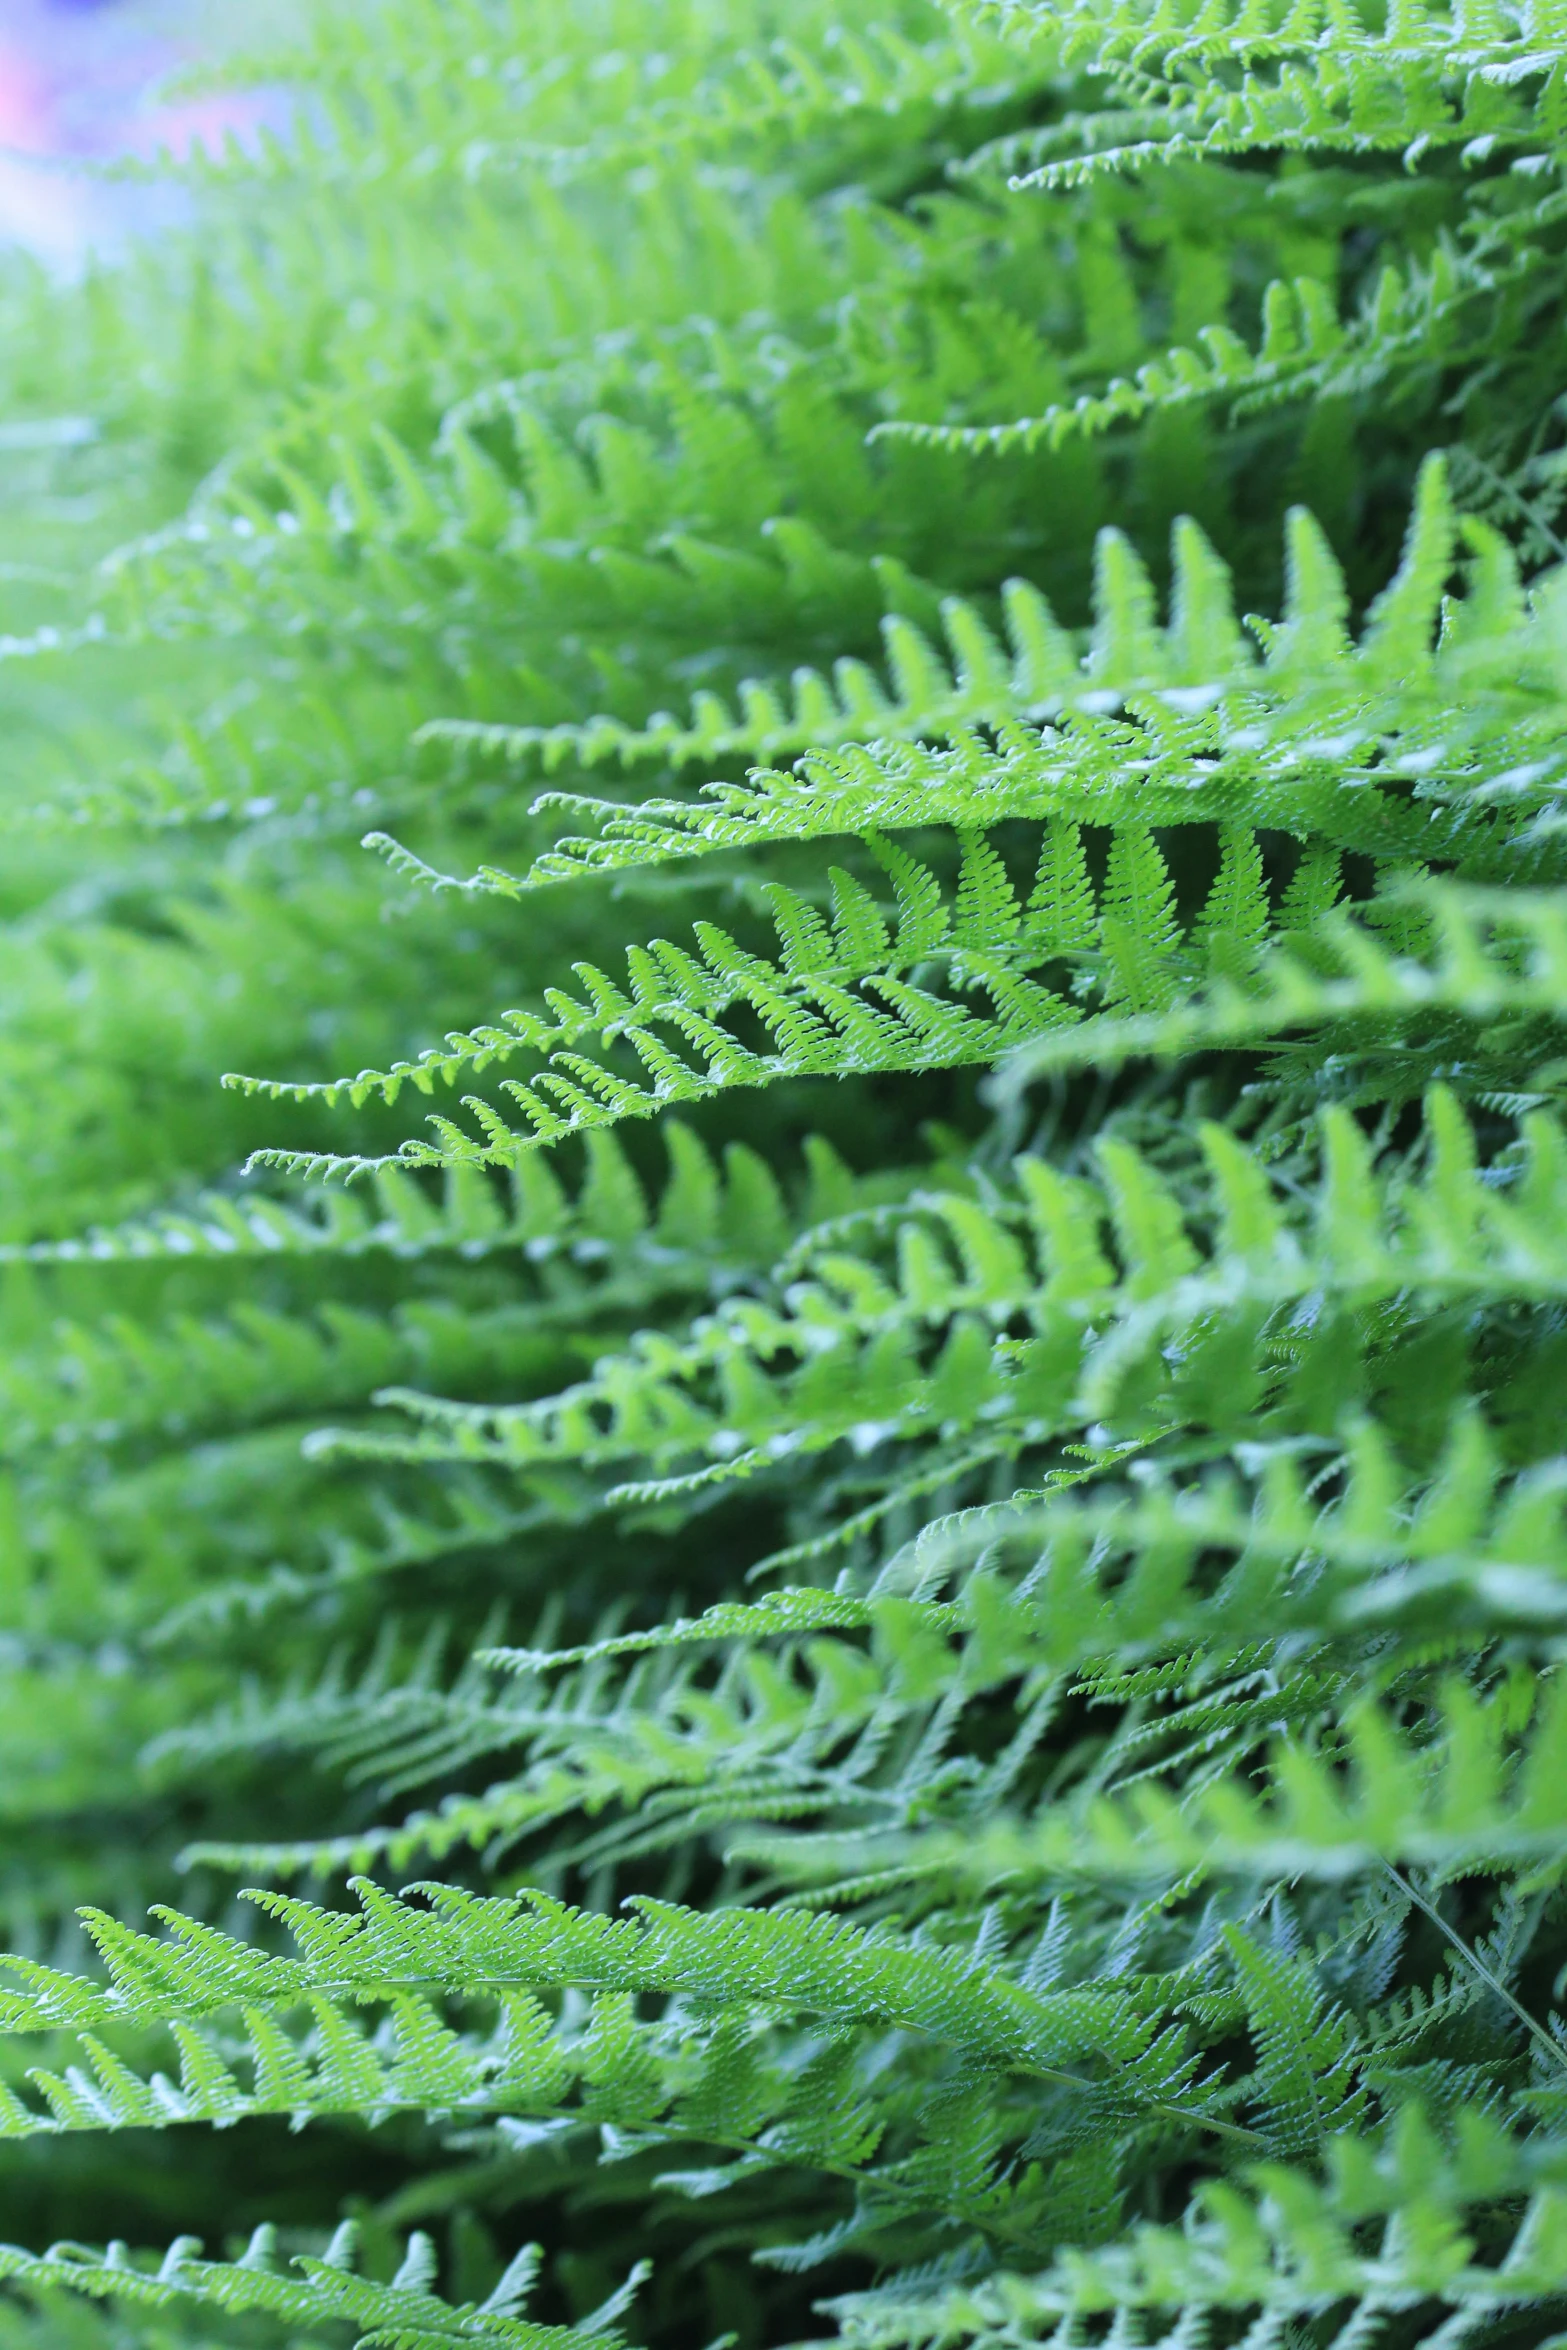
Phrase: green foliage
(931,1477)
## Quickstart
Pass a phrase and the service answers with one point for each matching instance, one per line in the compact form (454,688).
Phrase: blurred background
(85,81)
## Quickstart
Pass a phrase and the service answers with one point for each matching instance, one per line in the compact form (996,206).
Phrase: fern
(935,1487)
(404,2311)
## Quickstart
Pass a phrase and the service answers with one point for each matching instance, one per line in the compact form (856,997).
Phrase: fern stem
(1472,1958)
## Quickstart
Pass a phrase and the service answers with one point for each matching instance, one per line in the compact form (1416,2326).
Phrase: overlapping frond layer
(935,1488)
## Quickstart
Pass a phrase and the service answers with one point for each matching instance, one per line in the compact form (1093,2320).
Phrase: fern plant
(784,1193)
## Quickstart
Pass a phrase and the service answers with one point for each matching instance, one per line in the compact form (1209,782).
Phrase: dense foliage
(867,1545)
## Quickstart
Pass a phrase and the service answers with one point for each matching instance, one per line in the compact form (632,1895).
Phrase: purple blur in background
(78,84)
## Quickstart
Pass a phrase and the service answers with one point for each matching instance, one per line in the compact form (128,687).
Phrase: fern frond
(316,2292)
(856,1356)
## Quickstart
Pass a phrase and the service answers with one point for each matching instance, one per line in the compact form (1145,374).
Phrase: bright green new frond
(1423,78)
(969,1338)
(975,683)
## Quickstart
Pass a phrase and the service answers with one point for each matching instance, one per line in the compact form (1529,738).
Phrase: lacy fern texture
(783,1192)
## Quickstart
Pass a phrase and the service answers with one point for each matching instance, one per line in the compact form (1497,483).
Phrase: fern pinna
(836,1463)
